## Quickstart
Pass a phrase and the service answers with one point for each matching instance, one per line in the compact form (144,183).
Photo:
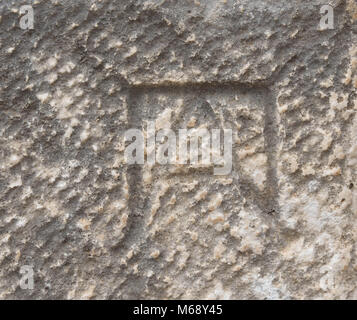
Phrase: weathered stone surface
(281,225)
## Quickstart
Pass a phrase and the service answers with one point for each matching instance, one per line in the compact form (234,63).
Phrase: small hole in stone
(342,200)
(351,185)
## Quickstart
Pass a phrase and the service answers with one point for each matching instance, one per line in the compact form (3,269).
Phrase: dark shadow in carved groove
(267,201)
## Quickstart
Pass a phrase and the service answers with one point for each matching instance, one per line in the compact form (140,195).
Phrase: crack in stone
(271,145)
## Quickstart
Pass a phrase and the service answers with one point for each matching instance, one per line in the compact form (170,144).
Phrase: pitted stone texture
(318,200)
(282,225)
(187,221)
(173,41)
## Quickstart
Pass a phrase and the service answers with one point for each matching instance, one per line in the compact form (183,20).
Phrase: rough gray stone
(282,225)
